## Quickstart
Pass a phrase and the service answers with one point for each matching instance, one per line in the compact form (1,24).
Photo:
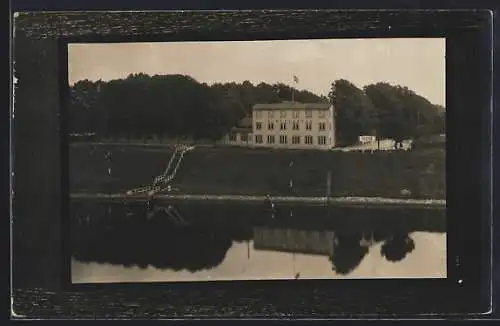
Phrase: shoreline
(369,147)
(331,201)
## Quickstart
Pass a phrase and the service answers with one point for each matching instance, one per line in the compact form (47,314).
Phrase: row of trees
(142,106)
(384,110)
(168,106)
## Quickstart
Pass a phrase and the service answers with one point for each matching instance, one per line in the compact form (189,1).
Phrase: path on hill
(161,182)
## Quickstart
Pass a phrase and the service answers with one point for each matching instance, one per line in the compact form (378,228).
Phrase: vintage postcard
(257,160)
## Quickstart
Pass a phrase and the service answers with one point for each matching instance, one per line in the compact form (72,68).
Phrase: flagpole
(295,81)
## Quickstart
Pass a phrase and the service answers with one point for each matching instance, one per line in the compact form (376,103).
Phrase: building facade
(286,125)
(294,125)
(240,135)
(298,241)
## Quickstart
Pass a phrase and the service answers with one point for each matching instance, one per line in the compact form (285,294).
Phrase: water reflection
(397,247)
(349,253)
(246,242)
(345,249)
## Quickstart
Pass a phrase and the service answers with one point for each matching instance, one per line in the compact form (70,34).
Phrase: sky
(418,63)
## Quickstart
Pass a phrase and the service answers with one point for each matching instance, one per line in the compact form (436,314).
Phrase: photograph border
(40,259)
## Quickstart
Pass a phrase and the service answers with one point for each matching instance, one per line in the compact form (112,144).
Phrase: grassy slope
(254,171)
(132,167)
(243,171)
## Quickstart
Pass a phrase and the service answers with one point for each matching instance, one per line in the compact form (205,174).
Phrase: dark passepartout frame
(40,261)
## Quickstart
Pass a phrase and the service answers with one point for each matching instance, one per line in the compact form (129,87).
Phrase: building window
(258,139)
(283,126)
(322,126)
(270,125)
(322,113)
(270,139)
(244,137)
(258,125)
(295,126)
(258,114)
(283,114)
(270,113)
(308,125)
(321,140)
(232,137)
(308,140)
(296,114)
(309,114)
(283,139)
(295,139)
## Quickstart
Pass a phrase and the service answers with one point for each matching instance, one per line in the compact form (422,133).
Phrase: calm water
(199,242)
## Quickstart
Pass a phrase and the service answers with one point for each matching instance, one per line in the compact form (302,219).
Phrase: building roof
(240,129)
(289,105)
(246,122)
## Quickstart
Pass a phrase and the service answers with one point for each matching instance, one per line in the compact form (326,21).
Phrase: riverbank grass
(243,171)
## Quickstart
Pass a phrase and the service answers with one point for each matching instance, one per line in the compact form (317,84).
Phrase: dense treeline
(383,110)
(143,106)
(177,106)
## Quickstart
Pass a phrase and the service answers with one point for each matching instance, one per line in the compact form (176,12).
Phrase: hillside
(253,171)
(208,170)
(131,166)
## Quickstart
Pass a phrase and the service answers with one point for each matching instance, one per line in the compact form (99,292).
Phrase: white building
(367,139)
(240,135)
(287,125)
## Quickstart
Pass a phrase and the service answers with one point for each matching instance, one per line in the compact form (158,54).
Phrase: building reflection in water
(344,250)
(129,236)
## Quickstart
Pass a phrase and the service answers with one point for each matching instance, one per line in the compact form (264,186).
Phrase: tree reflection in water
(126,236)
(189,248)
(351,248)
(348,252)
(157,242)
(397,247)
